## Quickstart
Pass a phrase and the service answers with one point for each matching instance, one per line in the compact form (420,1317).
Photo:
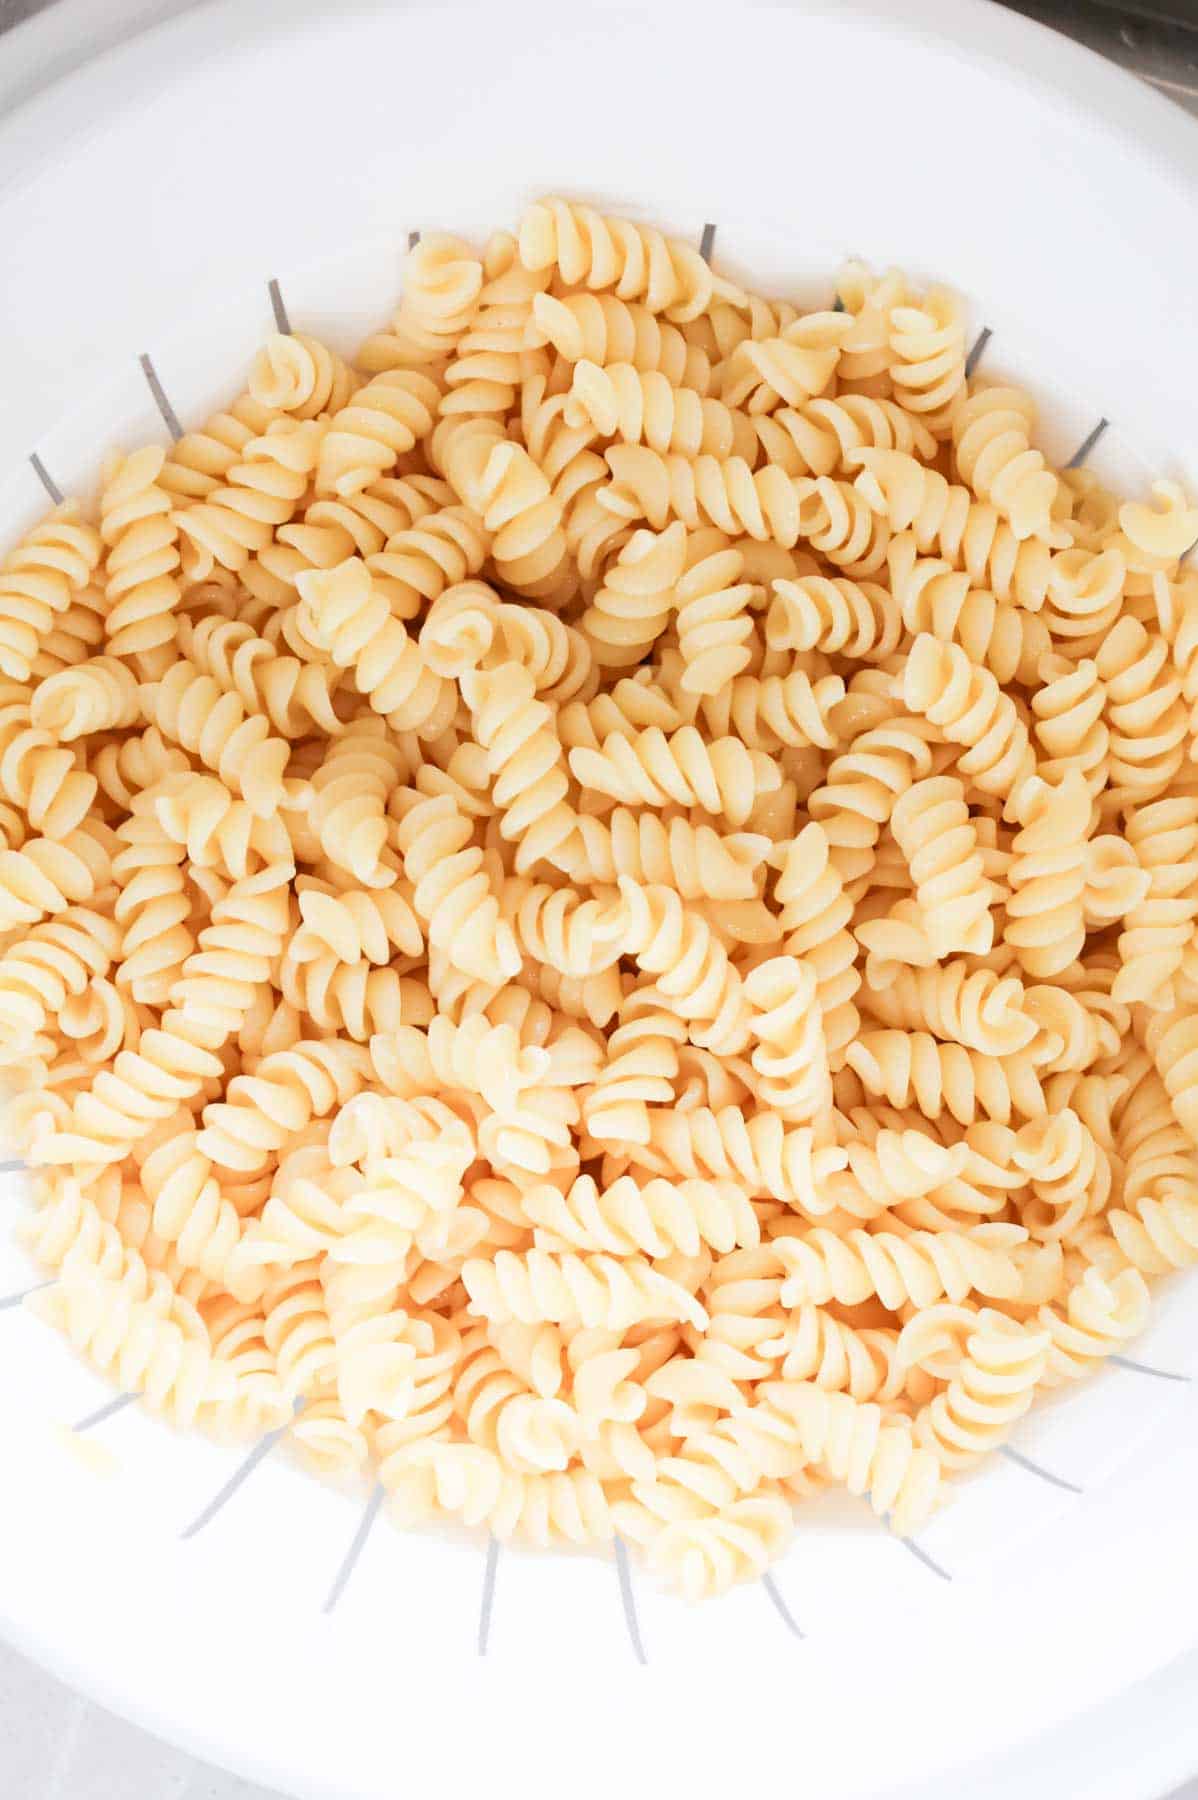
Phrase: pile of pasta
(599,906)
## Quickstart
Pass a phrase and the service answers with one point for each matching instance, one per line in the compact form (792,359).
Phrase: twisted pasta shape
(648,768)
(280,1099)
(152,907)
(486,371)
(295,696)
(695,859)
(262,491)
(141,534)
(524,760)
(789,1053)
(201,460)
(1070,728)
(927,344)
(640,1069)
(209,1001)
(966,703)
(631,607)
(56,960)
(592,1291)
(945,520)
(845,617)
(151,1342)
(814,914)
(700,1557)
(815,438)
(1068,1170)
(423,560)
(654,1219)
(619,401)
(469,1482)
(993,1388)
(558,926)
(299,375)
(594,251)
(793,367)
(1171,1042)
(354,924)
(452,894)
(442,281)
(190,1211)
(366,437)
(97,695)
(37,774)
(820,1348)
(1045,918)
(766,504)
(190,708)
(714,627)
(991,431)
(918,1267)
(1098,1318)
(933,597)
(933,829)
(973,1007)
(862,785)
(499,481)
(39,580)
(599,328)
(1144,710)
(695,979)
(348,617)
(911,1068)
(47,877)
(771,1159)
(357,524)
(859,1447)
(350,791)
(354,998)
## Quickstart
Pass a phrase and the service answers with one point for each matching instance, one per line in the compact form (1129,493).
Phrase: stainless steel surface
(1157,42)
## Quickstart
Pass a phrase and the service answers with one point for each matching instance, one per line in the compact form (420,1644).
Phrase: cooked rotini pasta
(599,903)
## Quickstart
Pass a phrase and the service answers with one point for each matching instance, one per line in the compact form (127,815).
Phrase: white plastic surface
(144,205)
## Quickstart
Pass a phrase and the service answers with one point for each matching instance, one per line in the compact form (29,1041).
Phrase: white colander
(146,205)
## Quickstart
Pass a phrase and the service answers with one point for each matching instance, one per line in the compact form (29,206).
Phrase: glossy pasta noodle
(606,895)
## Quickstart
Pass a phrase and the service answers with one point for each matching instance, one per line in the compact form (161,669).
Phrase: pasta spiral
(933,597)
(632,606)
(295,696)
(933,829)
(814,914)
(971,1007)
(524,759)
(39,579)
(992,1389)
(921,1266)
(452,894)
(911,1068)
(1045,920)
(97,695)
(373,429)
(857,1445)
(600,328)
(965,702)
(992,444)
(620,401)
(650,769)
(142,537)
(594,1290)
(594,251)
(346,615)
(299,375)
(653,1219)
(262,492)
(190,708)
